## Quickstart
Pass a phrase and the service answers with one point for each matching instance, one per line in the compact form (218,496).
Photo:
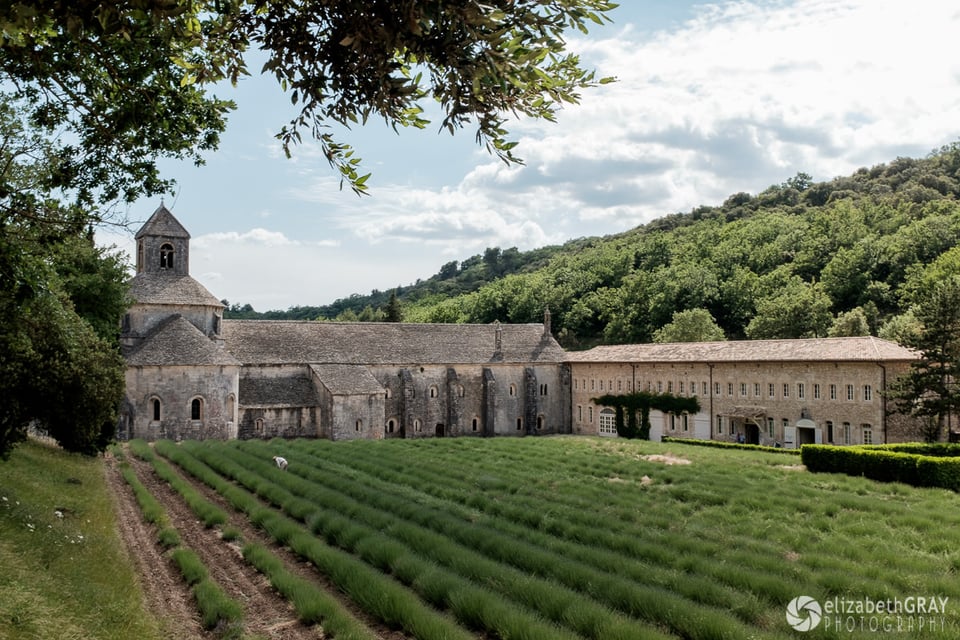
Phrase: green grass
(64,577)
(508,535)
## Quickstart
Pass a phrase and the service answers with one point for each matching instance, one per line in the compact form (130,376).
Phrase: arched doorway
(440,430)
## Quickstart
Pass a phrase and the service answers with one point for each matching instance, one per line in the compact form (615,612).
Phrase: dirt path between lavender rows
(266,614)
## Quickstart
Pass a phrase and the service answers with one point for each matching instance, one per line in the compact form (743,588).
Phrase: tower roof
(157,288)
(162,223)
(175,341)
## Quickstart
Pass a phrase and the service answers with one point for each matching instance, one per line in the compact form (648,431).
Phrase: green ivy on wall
(629,405)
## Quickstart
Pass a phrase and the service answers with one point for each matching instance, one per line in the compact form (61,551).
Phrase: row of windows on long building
(607,425)
(786,390)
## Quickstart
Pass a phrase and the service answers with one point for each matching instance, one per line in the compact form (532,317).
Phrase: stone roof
(386,343)
(162,223)
(175,341)
(167,288)
(858,349)
(347,379)
(286,391)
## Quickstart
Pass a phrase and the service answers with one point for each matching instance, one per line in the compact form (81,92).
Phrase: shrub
(190,565)
(916,465)
(214,605)
(730,445)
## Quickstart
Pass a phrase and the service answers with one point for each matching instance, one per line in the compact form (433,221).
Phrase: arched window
(196,409)
(391,425)
(166,256)
(475,423)
(519,424)
(258,426)
(513,390)
(155,409)
(434,392)
(359,425)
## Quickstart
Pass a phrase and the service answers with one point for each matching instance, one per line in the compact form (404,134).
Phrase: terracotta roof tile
(858,349)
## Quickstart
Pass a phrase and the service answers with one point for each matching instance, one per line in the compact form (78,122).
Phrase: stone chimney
(497,340)
(547,330)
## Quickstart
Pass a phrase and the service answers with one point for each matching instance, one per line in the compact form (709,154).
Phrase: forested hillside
(845,257)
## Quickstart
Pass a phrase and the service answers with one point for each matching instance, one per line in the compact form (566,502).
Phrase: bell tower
(163,245)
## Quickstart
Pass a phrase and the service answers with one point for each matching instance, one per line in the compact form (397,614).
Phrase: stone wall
(176,387)
(770,402)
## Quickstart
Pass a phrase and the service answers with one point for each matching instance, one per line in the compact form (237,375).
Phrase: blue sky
(711,99)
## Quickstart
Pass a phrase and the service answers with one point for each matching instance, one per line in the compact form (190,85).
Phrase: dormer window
(166,256)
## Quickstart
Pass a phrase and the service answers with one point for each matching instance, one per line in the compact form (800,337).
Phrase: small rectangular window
(743,389)
(867,393)
(756,389)
(849,392)
(833,392)
(771,390)
(719,425)
(816,391)
(801,390)
(786,390)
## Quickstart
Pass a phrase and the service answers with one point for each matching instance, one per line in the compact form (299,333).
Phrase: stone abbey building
(193,374)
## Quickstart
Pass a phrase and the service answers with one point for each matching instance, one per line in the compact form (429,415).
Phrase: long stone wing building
(770,392)
(192,374)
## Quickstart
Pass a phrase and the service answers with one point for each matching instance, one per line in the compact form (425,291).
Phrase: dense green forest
(849,256)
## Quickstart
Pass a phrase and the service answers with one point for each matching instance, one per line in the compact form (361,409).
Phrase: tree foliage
(931,389)
(56,372)
(131,79)
(61,299)
(690,325)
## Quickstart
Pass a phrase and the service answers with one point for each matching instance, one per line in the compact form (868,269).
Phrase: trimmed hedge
(730,445)
(918,465)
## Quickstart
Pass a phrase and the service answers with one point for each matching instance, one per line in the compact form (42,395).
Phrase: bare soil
(266,613)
